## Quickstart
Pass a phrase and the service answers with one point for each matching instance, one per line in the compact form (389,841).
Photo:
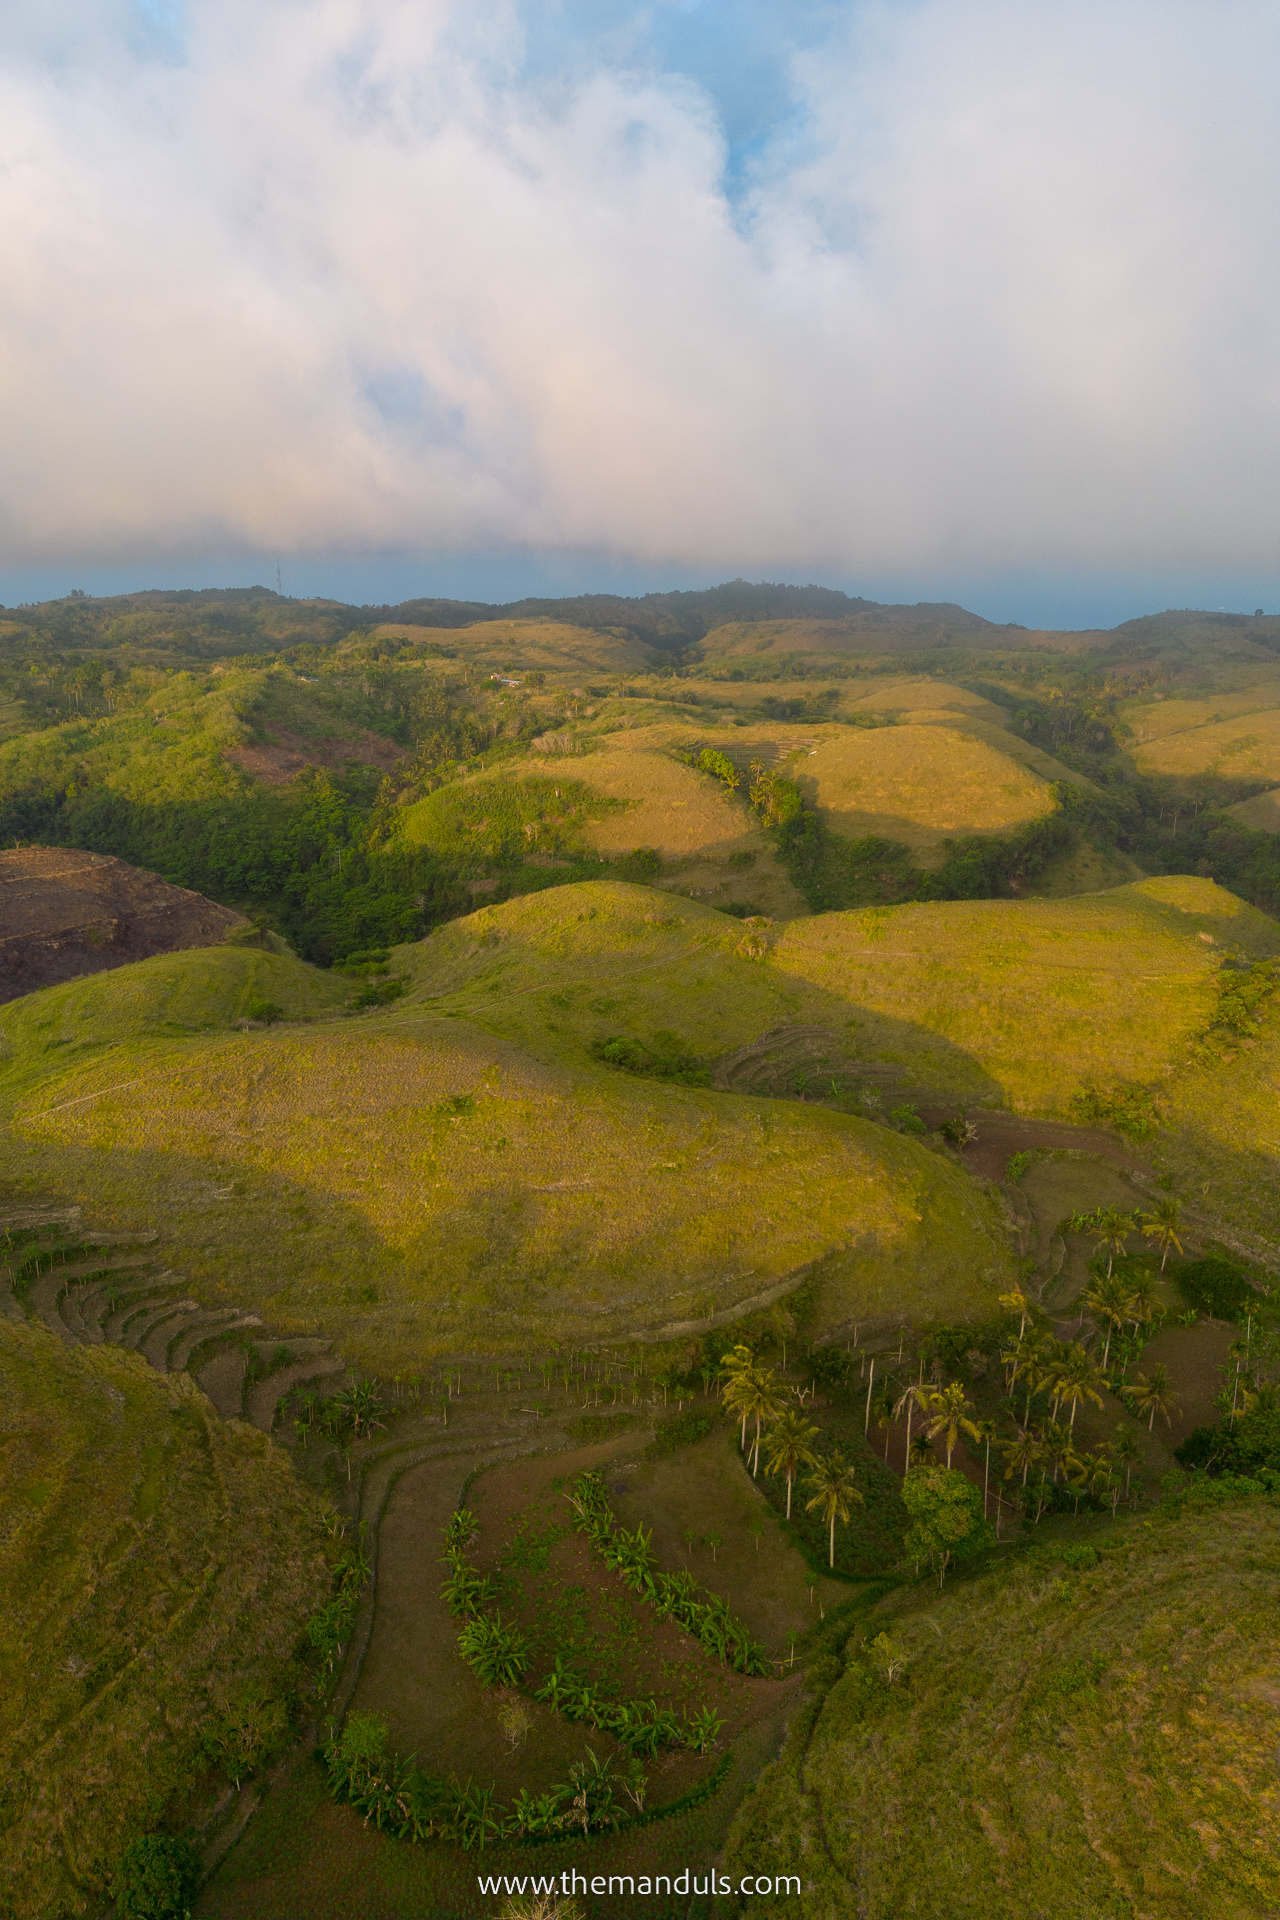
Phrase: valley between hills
(638,1235)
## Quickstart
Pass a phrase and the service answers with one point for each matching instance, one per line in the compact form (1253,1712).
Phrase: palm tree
(985,1430)
(1089,1471)
(737,1367)
(1155,1396)
(1024,1450)
(789,1447)
(1028,1361)
(922,1449)
(1058,1451)
(950,1408)
(762,1403)
(1162,1227)
(1128,1451)
(915,1396)
(1112,1229)
(1108,1300)
(1142,1299)
(1016,1302)
(1078,1378)
(835,1491)
(882,1411)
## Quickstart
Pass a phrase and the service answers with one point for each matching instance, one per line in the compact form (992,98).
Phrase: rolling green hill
(1059,1742)
(156,1568)
(426,1178)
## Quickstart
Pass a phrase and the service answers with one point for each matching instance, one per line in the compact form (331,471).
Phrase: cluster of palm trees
(757,1398)
(1112,1226)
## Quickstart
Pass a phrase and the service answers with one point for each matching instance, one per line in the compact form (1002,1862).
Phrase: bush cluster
(675,1595)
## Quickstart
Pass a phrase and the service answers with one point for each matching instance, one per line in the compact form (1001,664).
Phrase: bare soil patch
(277,763)
(65,913)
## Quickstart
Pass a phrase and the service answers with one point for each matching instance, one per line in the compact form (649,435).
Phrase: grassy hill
(1061,1742)
(1234,734)
(156,1569)
(435,1177)
(1043,996)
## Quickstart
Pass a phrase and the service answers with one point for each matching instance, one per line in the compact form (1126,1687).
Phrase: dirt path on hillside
(1001,1135)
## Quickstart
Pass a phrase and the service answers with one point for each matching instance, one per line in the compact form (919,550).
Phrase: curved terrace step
(154,1344)
(222,1379)
(131,1305)
(210,1325)
(265,1395)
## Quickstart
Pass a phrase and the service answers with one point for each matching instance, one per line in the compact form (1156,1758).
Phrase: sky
(925,299)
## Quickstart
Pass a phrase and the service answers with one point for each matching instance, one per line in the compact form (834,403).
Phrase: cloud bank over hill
(971,283)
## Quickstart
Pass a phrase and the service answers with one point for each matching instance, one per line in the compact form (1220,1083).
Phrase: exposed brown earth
(65,913)
(283,760)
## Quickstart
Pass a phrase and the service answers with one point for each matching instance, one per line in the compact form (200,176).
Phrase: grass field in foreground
(156,1568)
(411,1184)
(1062,1743)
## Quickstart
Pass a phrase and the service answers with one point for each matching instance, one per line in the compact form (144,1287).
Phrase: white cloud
(337,278)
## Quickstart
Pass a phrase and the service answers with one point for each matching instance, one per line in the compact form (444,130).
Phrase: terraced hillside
(156,1569)
(1055,1741)
(410,1182)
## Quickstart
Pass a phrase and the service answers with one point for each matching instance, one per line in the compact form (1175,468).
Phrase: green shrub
(1248,1447)
(695,1423)
(1130,1110)
(718,764)
(264,1010)
(379,996)
(1216,1287)
(641,864)
(666,1059)
(157,1878)
(497,1655)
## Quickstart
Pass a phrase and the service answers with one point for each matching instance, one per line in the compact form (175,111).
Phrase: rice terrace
(640,1263)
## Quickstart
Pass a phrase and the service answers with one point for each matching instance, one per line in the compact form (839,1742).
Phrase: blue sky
(956,299)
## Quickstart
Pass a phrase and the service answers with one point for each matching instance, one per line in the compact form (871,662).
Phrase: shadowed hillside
(1058,1740)
(157,1566)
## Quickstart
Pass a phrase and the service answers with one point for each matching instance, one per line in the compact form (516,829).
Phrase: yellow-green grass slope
(940,771)
(628,791)
(1016,1003)
(1073,1745)
(413,1183)
(1043,997)
(1232,731)
(157,1566)
(518,647)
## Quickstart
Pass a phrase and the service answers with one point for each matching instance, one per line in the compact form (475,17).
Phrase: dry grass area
(1045,996)
(156,1565)
(1062,1743)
